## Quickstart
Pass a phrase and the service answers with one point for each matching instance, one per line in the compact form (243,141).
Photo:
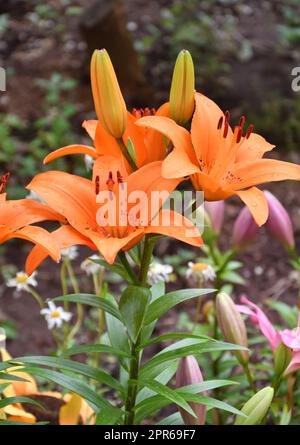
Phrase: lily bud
(109,103)
(182,102)
(189,372)
(245,229)
(232,325)
(215,210)
(256,408)
(282,358)
(279,223)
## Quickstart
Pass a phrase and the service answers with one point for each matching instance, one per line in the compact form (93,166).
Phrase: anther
(227,116)
(239,134)
(242,122)
(110,182)
(249,131)
(97,185)
(119,177)
(226,126)
(220,123)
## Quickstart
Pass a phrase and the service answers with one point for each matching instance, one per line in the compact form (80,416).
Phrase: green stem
(135,350)
(249,377)
(123,259)
(75,286)
(126,154)
(36,296)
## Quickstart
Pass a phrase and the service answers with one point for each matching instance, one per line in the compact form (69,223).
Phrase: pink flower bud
(279,223)
(215,210)
(245,229)
(189,372)
(232,324)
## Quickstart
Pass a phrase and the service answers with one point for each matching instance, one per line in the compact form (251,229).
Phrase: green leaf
(173,419)
(70,365)
(178,352)
(81,349)
(111,417)
(131,150)
(11,377)
(72,384)
(132,306)
(173,335)
(232,277)
(166,302)
(12,400)
(16,423)
(92,300)
(167,393)
(116,267)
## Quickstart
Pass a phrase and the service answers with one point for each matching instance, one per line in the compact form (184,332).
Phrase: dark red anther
(4,180)
(226,126)
(242,122)
(239,134)
(110,182)
(147,111)
(119,177)
(227,116)
(153,111)
(97,185)
(249,131)
(220,123)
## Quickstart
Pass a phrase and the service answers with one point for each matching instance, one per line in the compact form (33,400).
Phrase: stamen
(147,111)
(119,177)
(4,180)
(249,131)
(110,182)
(97,185)
(226,126)
(242,122)
(238,133)
(227,116)
(220,123)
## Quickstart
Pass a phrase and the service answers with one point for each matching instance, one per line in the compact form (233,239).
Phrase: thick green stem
(135,350)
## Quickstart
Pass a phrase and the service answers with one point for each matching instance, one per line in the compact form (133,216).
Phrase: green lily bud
(182,102)
(282,358)
(256,408)
(109,103)
(232,325)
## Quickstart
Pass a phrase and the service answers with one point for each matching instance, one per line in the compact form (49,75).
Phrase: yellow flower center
(199,267)
(55,314)
(22,278)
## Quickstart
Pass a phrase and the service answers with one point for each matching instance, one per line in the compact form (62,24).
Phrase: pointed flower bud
(109,103)
(256,408)
(189,372)
(232,325)
(215,210)
(182,102)
(282,358)
(245,229)
(279,223)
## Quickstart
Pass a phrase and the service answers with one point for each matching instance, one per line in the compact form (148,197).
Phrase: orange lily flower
(75,198)
(219,161)
(16,218)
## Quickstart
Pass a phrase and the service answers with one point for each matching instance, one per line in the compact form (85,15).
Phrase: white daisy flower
(159,272)
(22,281)
(70,252)
(89,162)
(200,273)
(90,267)
(55,315)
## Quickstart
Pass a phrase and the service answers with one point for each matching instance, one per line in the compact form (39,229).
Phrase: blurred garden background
(244,53)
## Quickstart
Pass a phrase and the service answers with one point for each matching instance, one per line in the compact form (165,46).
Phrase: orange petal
(155,142)
(110,247)
(105,143)
(39,236)
(69,413)
(204,131)
(178,164)
(256,202)
(21,212)
(105,165)
(264,170)
(253,148)
(90,127)
(74,197)
(176,226)
(71,150)
(65,236)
